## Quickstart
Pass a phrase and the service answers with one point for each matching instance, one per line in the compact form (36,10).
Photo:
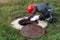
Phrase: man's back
(42,8)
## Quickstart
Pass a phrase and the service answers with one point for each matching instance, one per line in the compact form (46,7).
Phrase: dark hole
(24,22)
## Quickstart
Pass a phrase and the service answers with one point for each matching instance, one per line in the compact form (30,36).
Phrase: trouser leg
(51,20)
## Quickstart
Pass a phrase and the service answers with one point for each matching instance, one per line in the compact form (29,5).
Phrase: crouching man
(46,11)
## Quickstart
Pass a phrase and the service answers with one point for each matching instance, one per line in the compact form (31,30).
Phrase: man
(46,11)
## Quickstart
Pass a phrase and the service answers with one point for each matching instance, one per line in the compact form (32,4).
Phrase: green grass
(14,10)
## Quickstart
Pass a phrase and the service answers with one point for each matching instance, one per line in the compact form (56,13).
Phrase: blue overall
(47,11)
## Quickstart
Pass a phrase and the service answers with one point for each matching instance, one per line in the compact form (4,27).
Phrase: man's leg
(51,12)
(50,17)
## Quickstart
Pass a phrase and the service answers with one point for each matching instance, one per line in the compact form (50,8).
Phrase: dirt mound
(32,31)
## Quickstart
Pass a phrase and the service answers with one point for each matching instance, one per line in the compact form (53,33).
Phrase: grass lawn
(18,8)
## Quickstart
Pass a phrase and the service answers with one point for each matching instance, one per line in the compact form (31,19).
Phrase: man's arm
(33,13)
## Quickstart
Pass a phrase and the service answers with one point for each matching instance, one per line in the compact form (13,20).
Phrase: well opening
(24,22)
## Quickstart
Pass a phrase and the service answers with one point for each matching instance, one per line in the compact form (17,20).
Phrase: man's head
(31,8)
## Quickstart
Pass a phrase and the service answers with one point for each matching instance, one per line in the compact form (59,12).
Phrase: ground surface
(13,9)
